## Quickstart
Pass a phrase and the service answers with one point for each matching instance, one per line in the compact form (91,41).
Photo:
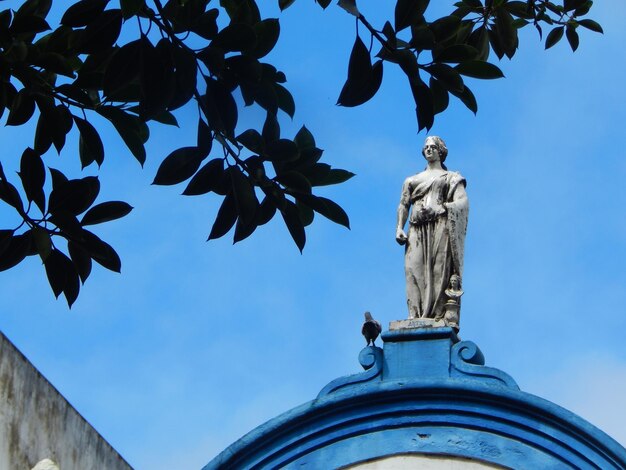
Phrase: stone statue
(433,259)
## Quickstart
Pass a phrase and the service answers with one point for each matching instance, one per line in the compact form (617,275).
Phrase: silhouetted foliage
(63,75)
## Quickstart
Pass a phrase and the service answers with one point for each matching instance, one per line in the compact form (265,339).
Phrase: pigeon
(371,329)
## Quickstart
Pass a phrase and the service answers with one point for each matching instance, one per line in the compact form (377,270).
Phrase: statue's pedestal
(414,348)
(415,323)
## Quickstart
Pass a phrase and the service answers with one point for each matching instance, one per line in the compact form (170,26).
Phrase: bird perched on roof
(371,329)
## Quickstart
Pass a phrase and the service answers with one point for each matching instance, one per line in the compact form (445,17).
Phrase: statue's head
(455,281)
(439,144)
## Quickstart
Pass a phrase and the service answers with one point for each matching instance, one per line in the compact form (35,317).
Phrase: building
(425,400)
(39,429)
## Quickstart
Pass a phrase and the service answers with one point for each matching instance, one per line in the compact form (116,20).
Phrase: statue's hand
(401,236)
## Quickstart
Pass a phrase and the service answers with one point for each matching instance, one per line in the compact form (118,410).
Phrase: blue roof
(427,393)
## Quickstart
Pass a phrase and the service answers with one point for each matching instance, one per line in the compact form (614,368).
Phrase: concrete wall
(38,427)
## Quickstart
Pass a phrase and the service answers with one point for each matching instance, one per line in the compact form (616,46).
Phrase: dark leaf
(81,259)
(350,7)
(28,25)
(221,107)
(507,32)
(185,77)
(479,39)
(213,58)
(447,76)
(424,107)
(285,100)
(304,139)
(284,4)
(42,242)
(282,150)
(323,3)
(245,198)
(131,129)
(317,173)
(83,12)
(409,12)
(441,98)
(34,7)
(57,271)
(205,140)
(291,216)
(102,33)
(61,127)
(178,166)
(33,176)
(101,252)
(335,176)
(479,69)
(156,77)
(166,118)
(206,25)
(363,79)
(325,207)
(306,213)
(90,146)
(123,68)
(10,195)
(520,9)
(390,34)
(5,239)
(584,9)
(72,284)
(271,129)
(457,53)
(58,178)
(18,248)
(67,223)
(467,98)
(252,140)
(236,37)
(106,211)
(294,181)
(554,36)
(74,196)
(131,7)
(422,38)
(22,108)
(207,179)
(226,217)
(267,32)
(241,11)
(569,5)
(572,38)
(45,129)
(56,63)
(445,28)
(495,41)
(266,211)
(592,25)
(243,231)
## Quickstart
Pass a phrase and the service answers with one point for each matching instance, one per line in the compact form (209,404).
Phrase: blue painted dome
(426,398)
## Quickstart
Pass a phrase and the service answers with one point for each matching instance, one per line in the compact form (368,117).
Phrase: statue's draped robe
(434,249)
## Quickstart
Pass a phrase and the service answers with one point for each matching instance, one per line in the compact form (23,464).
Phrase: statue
(433,259)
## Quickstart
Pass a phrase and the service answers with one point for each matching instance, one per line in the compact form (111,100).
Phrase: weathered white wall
(37,423)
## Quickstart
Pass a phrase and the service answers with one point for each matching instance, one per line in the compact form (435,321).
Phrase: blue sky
(196,343)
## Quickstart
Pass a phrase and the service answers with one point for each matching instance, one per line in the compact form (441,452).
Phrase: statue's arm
(403,213)
(459,197)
